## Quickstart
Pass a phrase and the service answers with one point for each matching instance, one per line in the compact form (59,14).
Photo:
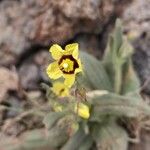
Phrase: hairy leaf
(75,141)
(110,137)
(94,76)
(116,105)
(51,118)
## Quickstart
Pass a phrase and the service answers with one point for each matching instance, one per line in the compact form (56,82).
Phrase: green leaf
(75,141)
(110,136)
(125,51)
(37,140)
(40,139)
(58,135)
(34,140)
(118,52)
(116,105)
(86,144)
(47,89)
(114,44)
(51,118)
(130,82)
(94,76)
(111,60)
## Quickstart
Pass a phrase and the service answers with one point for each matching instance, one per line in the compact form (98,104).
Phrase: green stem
(118,79)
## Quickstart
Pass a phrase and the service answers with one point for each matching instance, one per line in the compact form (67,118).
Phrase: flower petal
(69,79)
(60,89)
(72,49)
(53,71)
(80,67)
(82,110)
(65,93)
(57,87)
(56,51)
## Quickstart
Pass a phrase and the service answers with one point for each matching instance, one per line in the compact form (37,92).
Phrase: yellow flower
(60,89)
(66,64)
(82,110)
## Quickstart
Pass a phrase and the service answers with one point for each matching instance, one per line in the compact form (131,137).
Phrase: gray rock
(29,76)
(9,80)
(15,103)
(137,24)
(32,71)
(31,22)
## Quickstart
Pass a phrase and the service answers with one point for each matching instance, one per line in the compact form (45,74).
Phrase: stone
(9,80)
(24,24)
(29,76)
(138,29)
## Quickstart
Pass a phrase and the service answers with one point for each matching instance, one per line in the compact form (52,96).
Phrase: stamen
(65,65)
(68,64)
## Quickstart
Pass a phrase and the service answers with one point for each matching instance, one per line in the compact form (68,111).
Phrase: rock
(7,58)
(33,70)
(44,22)
(12,127)
(34,95)
(137,25)
(32,122)
(138,29)
(35,98)
(16,104)
(7,142)
(8,81)
(92,45)
(29,76)
(1,116)
(134,22)
(42,59)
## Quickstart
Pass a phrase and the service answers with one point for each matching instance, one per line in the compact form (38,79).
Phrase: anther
(65,65)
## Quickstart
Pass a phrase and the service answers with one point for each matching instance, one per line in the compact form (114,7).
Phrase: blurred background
(29,27)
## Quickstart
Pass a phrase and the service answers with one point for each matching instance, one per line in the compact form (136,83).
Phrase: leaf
(58,135)
(116,105)
(117,36)
(47,89)
(94,76)
(111,60)
(51,118)
(110,136)
(126,50)
(86,144)
(118,52)
(38,139)
(113,46)
(34,140)
(130,82)
(75,141)
(30,140)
